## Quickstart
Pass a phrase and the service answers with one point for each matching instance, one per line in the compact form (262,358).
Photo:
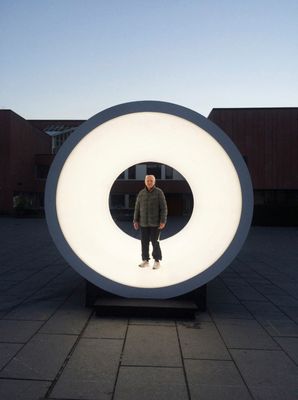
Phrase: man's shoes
(144,264)
(156,265)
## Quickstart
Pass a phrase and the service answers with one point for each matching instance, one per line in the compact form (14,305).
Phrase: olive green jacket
(150,208)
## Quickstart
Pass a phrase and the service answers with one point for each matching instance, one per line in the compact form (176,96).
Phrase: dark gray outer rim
(168,291)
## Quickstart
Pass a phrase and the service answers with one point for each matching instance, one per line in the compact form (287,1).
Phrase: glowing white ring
(86,166)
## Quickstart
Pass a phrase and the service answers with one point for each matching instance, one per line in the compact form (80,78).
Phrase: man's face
(149,182)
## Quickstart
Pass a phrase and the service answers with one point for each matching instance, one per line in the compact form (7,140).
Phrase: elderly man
(150,215)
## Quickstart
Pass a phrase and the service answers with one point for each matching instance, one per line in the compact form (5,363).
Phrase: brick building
(268,140)
(25,153)
(266,137)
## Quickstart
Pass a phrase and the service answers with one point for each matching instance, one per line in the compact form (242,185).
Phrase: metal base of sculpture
(108,304)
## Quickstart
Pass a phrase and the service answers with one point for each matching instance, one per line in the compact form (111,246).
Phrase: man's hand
(161,225)
(136,225)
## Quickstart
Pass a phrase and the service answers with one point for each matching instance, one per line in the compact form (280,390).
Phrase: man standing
(151,216)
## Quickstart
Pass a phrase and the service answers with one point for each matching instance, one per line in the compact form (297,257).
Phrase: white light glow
(82,197)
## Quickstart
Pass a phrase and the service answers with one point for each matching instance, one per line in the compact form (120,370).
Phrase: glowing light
(78,188)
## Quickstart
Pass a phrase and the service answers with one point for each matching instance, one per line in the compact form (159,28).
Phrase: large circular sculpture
(83,171)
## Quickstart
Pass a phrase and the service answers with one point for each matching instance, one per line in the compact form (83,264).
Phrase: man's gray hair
(152,176)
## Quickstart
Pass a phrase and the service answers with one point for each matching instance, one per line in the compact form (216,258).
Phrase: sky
(70,59)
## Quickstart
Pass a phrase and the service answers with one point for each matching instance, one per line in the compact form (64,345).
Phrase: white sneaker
(156,265)
(144,264)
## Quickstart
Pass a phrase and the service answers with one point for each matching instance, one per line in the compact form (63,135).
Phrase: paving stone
(7,351)
(50,293)
(274,392)
(41,358)
(276,322)
(202,342)
(12,389)
(91,371)
(229,272)
(264,311)
(35,282)
(17,331)
(150,383)
(33,310)
(7,303)
(281,327)
(6,285)
(60,287)
(290,346)
(202,316)
(245,292)
(283,300)
(290,287)
(269,289)
(213,379)
(18,275)
(245,334)
(227,311)
(112,328)
(219,293)
(162,342)
(292,312)
(149,321)
(268,373)
(70,318)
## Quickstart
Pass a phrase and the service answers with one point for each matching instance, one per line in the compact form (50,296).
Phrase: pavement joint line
(120,361)
(232,359)
(64,398)
(255,349)
(254,318)
(53,334)
(102,338)
(32,294)
(182,361)
(207,359)
(286,336)
(36,271)
(11,342)
(70,353)
(37,332)
(269,302)
(136,324)
(150,366)
(4,378)
(290,277)
(264,276)
(22,320)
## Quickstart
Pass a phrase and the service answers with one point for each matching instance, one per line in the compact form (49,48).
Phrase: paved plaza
(245,346)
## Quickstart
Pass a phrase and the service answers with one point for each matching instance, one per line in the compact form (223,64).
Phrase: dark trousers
(150,234)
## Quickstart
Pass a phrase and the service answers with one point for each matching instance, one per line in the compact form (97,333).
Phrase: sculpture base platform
(145,308)
(108,304)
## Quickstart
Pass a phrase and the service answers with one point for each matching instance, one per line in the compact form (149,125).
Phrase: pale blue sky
(73,58)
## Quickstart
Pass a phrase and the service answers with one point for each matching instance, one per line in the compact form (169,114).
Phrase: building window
(154,169)
(132,172)
(169,172)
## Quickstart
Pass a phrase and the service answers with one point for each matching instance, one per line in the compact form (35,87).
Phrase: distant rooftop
(54,127)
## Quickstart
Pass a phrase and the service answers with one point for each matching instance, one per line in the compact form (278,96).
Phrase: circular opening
(175,187)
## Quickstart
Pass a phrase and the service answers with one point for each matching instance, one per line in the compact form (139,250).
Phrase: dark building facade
(268,141)
(24,153)
(266,137)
